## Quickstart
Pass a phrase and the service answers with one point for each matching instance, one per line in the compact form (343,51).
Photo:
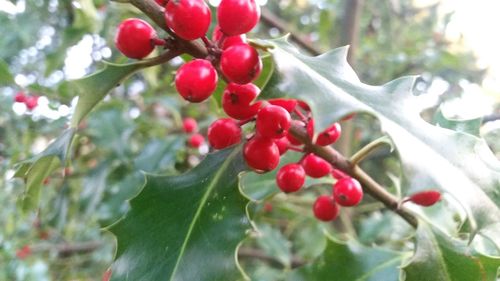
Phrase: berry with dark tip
(273,122)
(223,133)
(261,154)
(196,80)
(316,167)
(347,192)
(325,208)
(240,63)
(290,178)
(330,135)
(237,99)
(134,38)
(188,19)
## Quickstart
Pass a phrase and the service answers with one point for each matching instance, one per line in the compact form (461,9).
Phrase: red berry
(189,125)
(304,105)
(282,144)
(236,101)
(316,167)
(196,140)
(24,252)
(196,80)
(106,276)
(223,133)
(31,102)
(426,198)
(189,19)
(273,122)
(268,207)
(240,63)
(261,154)
(325,208)
(288,104)
(133,38)
(347,192)
(310,127)
(236,17)
(161,2)
(338,174)
(291,177)
(330,135)
(227,41)
(20,97)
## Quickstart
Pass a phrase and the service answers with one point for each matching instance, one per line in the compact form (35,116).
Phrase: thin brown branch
(270,19)
(370,186)
(251,253)
(66,249)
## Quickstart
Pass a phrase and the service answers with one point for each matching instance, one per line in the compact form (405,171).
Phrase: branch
(259,254)
(272,20)
(370,186)
(65,249)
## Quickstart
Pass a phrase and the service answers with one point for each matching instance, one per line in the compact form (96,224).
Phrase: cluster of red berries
(31,102)
(190,126)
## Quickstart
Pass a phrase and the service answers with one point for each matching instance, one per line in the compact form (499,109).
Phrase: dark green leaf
(185,227)
(351,261)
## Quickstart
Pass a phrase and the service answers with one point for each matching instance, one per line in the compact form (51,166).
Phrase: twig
(66,250)
(250,253)
(368,149)
(272,20)
(370,186)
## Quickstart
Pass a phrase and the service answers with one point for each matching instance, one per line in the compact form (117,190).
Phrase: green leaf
(438,258)
(469,126)
(93,88)
(6,78)
(351,261)
(35,170)
(185,227)
(431,157)
(274,243)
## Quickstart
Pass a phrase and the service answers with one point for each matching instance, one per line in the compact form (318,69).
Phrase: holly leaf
(185,227)
(432,157)
(351,261)
(439,258)
(35,170)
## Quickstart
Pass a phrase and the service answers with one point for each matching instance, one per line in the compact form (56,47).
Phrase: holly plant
(274,188)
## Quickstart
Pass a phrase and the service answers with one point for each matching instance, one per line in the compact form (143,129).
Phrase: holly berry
(20,97)
(161,2)
(325,208)
(134,37)
(347,192)
(273,122)
(196,80)
(338,174)
(196,140)
(223,133)
(31,102)
(291,177)
(240,63)
(426,198)
(282,144)
(188,19)
(330,135)
(236,17)
(227,41)
(24,252)
(236,101)
(261,154)
(316,167)
(288,104)
(189,125)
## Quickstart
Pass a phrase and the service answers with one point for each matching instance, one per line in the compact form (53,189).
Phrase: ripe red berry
(347,192)
(188,19)
(261,154)
(31,102)
(330,135)
(426,198)
(227,41)
(236,17)
(161,2)
(304,105)
(133,38)
(240,63)
(189,125)
(236,101)
(223,133)
(24,252)
(288,104)
(338,174)
(316,167)
(196,140)
(325,208)
(273,122)
(282,144)
(196,80)
(20,97)
(291,177)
